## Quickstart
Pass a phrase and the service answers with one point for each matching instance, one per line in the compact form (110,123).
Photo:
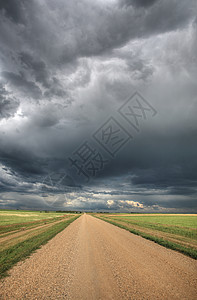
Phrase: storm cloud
(67,72)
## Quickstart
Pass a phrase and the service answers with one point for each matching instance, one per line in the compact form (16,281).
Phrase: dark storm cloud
(13,9)
(161,162)
(40,72)
(118,26)
(108,28)
(139,3)
(8,105)
(56,89)
(19,81)
(21,162)
(38,68)
(66,67)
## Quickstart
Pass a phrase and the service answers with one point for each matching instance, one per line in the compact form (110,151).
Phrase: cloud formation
(65,69)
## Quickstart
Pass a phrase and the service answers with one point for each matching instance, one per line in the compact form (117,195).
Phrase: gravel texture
(92,259)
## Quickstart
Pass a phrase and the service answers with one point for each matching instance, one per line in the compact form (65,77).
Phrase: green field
(175,220)
(8,217)
(22,232)
(175,231)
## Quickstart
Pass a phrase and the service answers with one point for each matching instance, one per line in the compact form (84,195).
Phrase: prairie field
(22,232)
(175,231)
(8,217)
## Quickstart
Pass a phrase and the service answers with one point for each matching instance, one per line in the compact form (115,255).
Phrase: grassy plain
(22,232)
(8,217)
(175,231)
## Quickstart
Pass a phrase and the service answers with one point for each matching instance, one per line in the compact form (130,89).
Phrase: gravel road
(92,259)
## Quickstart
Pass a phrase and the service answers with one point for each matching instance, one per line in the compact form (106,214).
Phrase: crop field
(22,232)
(175,231)
(8,217)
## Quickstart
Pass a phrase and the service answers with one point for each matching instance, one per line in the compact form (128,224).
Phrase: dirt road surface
(92,259)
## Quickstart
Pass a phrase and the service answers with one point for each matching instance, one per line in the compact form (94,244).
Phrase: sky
(98,105)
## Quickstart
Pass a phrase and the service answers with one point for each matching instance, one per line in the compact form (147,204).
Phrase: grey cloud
(108,29)
(19,81)
(8,105)
(138,3)
(56,89)
(81,61)
(38,68)
(13,9)
(138,68)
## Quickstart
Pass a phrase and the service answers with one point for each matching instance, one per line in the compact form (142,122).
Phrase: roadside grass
(179,237)
(21,250)
(165,224)
(14,238)
(8,229)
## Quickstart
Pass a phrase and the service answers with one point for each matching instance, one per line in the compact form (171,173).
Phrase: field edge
(167,244)
(22,250)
